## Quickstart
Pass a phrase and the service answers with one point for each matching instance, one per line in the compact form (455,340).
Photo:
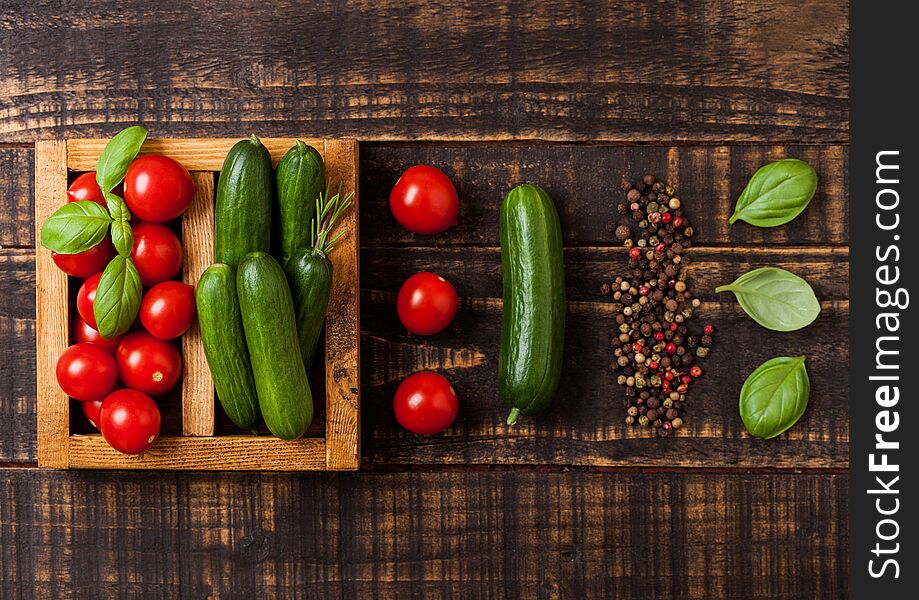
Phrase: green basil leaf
(774,396)
(75,227)
(118,155)
(117,207)
(122,237)
(776,194)
(117,297)
(775,298)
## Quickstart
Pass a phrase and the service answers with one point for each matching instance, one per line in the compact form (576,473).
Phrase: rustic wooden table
(568,94)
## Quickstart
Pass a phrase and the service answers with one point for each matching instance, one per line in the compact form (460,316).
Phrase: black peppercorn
(654,348)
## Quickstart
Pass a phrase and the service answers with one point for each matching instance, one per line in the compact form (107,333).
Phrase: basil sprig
(75,227)
(122,238)
(118,155)
(774,396)
(117,297)
(776,194)
(774,298)
(78,226)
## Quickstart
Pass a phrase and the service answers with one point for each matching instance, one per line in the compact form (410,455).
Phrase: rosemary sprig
(328,211)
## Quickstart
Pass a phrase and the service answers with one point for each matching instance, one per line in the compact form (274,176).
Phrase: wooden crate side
(218,453)
(342,326)
(198,246)
(51,310)
(200,154)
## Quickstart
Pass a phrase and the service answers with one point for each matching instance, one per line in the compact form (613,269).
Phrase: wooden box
(198,447)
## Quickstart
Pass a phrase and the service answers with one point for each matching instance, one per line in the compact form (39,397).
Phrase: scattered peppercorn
(654,349)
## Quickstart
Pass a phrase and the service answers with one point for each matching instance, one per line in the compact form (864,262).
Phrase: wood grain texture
(16,198)
(17,355)
(219,453)
(630,536)
(584,183)
(585,427)
(343,327)
(692,70)
(199,154)
(198,399)
(51,309)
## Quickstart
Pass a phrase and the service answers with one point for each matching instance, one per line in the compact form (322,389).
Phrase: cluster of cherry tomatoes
(425,201)
(144,362)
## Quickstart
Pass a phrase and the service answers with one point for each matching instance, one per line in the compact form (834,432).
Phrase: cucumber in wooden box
(269,322)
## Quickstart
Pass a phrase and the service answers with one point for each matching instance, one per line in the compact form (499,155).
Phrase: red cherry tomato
(148,364)
(86,372)
(427,303)
(129,421)
(157,253)
(91,412)
(83,333)
(424,200)
(86,263)
(85,298)
(157,188)
(425,403)
(168,309)
(84,187)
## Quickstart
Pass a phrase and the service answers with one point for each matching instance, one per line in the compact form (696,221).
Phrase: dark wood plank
(17,355)
(585,425)
(17,183)
(584,182)
(566,70)
(631,535)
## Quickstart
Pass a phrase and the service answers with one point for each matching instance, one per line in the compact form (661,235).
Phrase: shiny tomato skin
(86,263)
(83,333)
(84,187)
(424,200)
(148,364)
(85,298)
(129,421)
(86,372)
(157,253)
(427,303)
(157,188)
(91,411)
(425,403)
(168,309)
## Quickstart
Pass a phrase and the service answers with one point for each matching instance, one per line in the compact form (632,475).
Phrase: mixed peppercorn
(655,354)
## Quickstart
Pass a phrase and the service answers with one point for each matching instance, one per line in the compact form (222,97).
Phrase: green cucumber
(242,219)
(225,345)
(309,273)
(533,320)
(300,179)
(271,335)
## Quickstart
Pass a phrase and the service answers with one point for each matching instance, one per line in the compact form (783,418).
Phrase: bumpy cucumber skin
(300,179)
(242,214)
(225,347)
(309,273)
(267,308)
(533,321)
